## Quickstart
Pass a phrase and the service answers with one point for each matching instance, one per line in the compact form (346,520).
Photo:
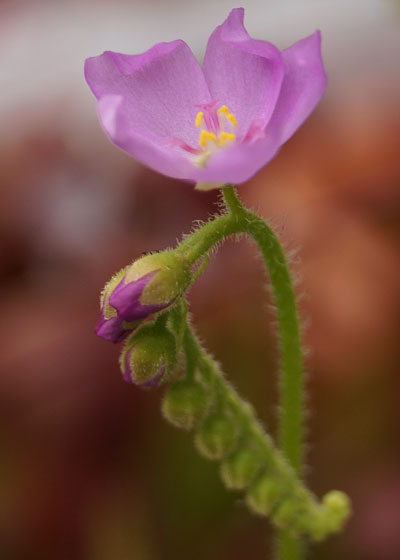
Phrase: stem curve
(238,219)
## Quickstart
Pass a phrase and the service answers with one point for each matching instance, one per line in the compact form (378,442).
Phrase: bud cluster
(248,459)
(226,429)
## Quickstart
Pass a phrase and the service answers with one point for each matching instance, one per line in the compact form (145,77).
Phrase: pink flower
(213,125)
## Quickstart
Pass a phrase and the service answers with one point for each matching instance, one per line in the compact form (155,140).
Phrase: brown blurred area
(88,468)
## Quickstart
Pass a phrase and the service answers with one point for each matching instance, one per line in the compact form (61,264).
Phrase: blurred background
(88,468)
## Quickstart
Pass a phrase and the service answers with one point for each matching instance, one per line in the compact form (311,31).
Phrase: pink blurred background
(88,468)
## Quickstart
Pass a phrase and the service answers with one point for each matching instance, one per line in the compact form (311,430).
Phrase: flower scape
(215,126)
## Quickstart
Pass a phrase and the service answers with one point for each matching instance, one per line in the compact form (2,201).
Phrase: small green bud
(264,494)
(148,356)
(238,470)
(217,437)
(339,507)
(285,513)
(185,404)
(298,512)
(333,513)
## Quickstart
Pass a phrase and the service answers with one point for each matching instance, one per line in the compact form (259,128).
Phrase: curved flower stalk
(210,125)
(226,429)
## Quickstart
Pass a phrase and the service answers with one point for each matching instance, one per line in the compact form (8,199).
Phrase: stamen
(178,143)
(255,132)
(232,119)
(216,131)
(224,112)
(206,137)
(224,109)
(199,119)
(226,137)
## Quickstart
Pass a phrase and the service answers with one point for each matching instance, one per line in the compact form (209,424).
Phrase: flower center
(217,125)
(216,131)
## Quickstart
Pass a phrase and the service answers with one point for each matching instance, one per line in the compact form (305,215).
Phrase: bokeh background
(88,468)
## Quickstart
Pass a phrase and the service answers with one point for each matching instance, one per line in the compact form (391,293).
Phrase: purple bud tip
(111,329)
(126,299)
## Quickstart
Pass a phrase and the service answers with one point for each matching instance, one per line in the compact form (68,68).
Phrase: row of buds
(146,287)
(270,485)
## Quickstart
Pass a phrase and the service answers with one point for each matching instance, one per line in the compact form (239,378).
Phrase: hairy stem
(291,382)
(227,430)
(240,220)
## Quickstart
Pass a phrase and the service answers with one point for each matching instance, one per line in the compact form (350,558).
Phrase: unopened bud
(334,512)
(148,356)
(217,437)
(185,404)
(238,470)
(149,285)
(110,326)
(265,494)
(286,513)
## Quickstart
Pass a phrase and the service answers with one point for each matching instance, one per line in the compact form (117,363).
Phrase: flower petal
(303,86)
(150,151)
(145,100)
(238,163)
(243,73)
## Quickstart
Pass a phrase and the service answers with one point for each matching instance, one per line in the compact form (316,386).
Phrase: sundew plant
(215,126)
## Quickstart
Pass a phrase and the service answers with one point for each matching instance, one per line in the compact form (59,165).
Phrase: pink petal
(303,86)
(145,100)
(242,73)
(153,151)
(238,163)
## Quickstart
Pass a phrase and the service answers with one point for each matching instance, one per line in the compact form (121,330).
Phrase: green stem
(231,200)
(291,383)
(201,241)
(241,220)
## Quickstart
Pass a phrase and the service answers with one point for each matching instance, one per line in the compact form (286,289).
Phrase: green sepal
(110,312)
(172,276)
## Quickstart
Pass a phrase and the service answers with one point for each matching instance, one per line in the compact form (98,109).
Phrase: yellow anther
(206,137)
(199,119)
(224,109)
(232,119)
(226,137)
